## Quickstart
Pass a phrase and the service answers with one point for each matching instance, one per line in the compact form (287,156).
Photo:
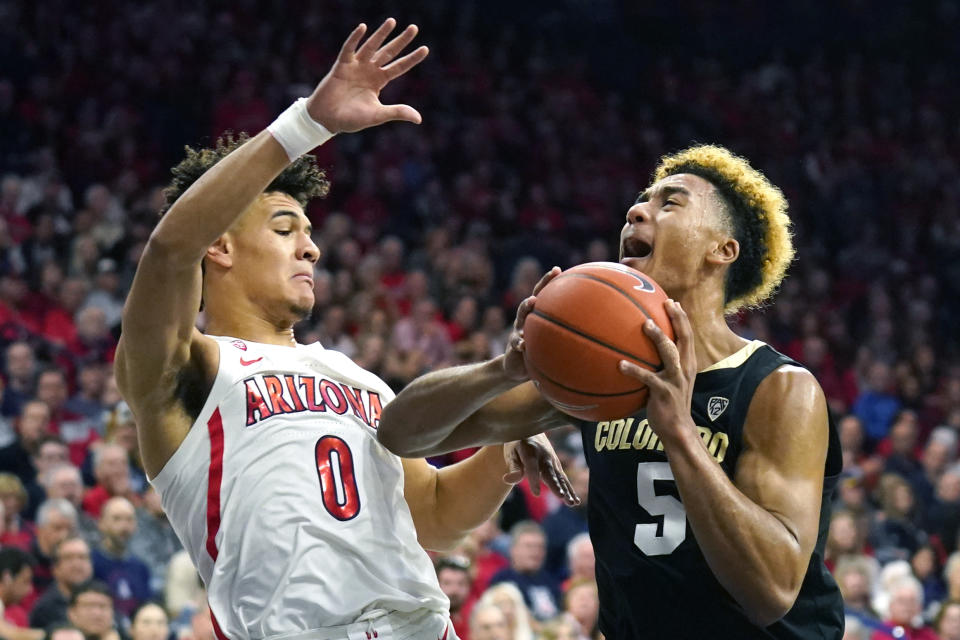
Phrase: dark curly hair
(303,180)
(757,211)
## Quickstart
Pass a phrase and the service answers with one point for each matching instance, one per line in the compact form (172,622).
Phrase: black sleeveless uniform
(653,579)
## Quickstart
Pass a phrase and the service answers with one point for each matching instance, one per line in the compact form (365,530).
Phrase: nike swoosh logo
(247,363)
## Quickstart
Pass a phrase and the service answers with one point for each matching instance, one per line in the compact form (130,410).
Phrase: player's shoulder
(343,364)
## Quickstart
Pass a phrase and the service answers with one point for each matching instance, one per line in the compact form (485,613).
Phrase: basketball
(585,321)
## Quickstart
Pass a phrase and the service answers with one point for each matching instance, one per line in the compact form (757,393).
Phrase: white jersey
(290,508)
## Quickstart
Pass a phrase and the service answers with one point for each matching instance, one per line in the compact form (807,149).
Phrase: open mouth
(635,248)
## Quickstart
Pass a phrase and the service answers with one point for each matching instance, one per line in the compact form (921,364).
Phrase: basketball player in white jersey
(264,450)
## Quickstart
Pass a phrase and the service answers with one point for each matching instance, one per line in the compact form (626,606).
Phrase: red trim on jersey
(215,476)
(216,627)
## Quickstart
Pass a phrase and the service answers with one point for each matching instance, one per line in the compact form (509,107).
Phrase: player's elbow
(390,434)
(772,604)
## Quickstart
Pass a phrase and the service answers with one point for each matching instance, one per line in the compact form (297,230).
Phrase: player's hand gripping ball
(584,322)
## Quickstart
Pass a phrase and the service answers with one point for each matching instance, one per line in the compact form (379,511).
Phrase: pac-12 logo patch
(715,406)
(240,344)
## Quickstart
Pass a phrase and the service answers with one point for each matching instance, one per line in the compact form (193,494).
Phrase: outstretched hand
(348,97)
(513,364)
(535,458)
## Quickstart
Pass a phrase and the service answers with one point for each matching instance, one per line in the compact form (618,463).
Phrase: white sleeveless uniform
(288,505)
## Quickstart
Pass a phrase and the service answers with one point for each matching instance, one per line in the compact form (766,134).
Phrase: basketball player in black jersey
(708,510)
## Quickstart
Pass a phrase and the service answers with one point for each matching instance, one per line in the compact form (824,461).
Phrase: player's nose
(308,250)
(638,213)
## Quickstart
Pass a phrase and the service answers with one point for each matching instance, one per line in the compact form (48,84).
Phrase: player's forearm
(752,553)
(468,494)
(218,198)
(430,409)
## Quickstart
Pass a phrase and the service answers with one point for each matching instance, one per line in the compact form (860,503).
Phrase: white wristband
(297,132)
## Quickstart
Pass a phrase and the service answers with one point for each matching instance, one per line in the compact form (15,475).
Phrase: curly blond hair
(757,210)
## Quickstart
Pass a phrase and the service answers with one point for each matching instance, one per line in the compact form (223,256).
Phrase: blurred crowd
(541,123)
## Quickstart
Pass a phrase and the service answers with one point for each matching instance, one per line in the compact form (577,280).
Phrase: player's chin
(302,306)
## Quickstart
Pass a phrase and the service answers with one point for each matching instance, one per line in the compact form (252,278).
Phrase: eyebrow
(291,214)
(664,192)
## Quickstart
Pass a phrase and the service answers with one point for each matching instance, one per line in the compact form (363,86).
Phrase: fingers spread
(401,65)
(531,467)
(522,312)
(350,45)
(387,52)
(373,43)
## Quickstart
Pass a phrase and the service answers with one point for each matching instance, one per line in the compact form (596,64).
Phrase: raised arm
(159,346)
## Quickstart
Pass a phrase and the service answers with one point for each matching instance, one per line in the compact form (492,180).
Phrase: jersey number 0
(338,484)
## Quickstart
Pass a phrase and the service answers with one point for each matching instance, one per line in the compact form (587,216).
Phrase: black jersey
(653,579)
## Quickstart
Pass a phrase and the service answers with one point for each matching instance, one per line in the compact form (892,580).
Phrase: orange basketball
(585,321)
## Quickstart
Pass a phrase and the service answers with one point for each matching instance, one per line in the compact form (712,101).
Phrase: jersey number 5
(674,530)
(338,484)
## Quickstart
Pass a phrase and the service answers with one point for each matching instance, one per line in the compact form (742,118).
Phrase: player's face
(671,230)
(274,255)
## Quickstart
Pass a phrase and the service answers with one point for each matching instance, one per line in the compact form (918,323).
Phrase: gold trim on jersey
(736,358)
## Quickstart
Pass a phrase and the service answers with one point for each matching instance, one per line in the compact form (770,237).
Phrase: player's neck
(712,338)
(244,323)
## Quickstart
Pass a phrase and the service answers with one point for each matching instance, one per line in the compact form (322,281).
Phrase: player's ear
(221,252)
(725,251)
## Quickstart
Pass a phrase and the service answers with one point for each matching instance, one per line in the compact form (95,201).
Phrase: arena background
(542,121)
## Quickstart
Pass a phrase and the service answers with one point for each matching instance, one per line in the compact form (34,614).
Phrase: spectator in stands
(64,631)
(939,452)
(59,326)
(56,521)
(855,577)
(453,574)
(91,377)
(951,576)
(926,569)
(507,597)
(50,452)
(20,376)
(565,523)
(582,602)
(16,583)
(127,575)
(493,546)
(906,606)
(76,430)
(64,481)
(91,611)
(540,590)
(487,622)
(894,534)
(111,468)
(947,622)
(943,516)
(121,429)
(149,622)
(580,560)
(71,568)
(105,295)
(17,532)
(93,341)
(877,405)
(901,446)
(845,537)
(154,541)
(32,425)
